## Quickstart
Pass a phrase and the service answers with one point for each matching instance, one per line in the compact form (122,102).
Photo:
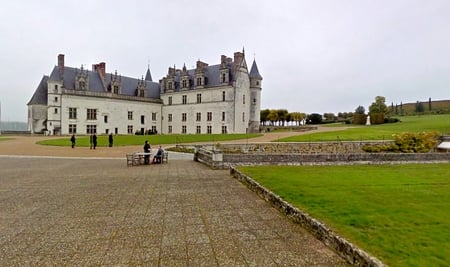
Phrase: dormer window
(185,83)
(223,77)
(116,89)
(170,86)
(82,85)
(199,81)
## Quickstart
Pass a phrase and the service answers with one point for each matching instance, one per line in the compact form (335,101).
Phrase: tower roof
(148,75)
(254,72)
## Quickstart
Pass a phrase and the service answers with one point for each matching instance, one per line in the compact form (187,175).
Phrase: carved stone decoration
(81,79)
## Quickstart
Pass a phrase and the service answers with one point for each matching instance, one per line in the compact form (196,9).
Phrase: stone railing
(350,252)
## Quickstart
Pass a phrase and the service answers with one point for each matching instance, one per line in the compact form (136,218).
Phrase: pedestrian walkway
(85,211)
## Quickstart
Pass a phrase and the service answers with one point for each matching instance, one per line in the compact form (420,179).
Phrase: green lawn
(439,123)
(398,213)
(126,140)
(5,138)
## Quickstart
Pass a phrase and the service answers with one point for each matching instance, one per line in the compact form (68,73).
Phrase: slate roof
(212,73)
(40,94)
(254,72)
(128,84)
(148,75)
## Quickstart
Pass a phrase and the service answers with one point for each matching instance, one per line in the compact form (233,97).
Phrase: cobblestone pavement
(97,212)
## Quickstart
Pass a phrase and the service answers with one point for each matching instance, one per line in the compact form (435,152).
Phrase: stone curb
(347,250)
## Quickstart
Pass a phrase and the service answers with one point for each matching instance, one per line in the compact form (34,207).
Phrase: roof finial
(243,50)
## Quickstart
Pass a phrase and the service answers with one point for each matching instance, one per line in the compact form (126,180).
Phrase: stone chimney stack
(101,69)
(61,65)
(238,57)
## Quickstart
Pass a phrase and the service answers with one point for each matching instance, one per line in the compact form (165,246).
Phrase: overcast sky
(315,56)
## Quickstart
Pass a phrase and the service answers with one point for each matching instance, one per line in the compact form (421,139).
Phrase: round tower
(255,95)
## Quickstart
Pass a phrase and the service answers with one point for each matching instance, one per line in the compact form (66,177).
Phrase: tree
(263,116)
(419,107)
(329,116)
(282,115)
(273,116)
(297,117)
(314,118)
(378,106)
(360,110)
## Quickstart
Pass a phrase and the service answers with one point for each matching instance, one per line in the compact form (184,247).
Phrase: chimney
(223,59)
(238,56)
(61,64)
(100,68)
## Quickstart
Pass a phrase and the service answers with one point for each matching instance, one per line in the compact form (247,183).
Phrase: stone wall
(350,252)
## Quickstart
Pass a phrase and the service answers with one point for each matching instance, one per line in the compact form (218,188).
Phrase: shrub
(359,118)
(407,143)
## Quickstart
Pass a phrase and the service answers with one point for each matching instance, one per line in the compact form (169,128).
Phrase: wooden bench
(137,158)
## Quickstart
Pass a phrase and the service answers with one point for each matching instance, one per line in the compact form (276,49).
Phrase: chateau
(221,98)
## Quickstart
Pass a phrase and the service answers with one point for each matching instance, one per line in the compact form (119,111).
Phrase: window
(224,129)
(199,81)
(56,110)
(153,116)
(130,129)
(141,93)
(72,113)
(170,129)
(183,129)
(130,115)
(170,100)
(199,98)
(72,128)
(91,114)
(91,129)
(223,77)
(184,83)
(254,100)
(105,119)
(56,87)
(209,116)
(170,86)
(198,129)
(243,116)
(183,117)
(223,96)
(243,99)
(223,116)
(184,99)
(82,85)
(116,89)
(56,99)
(198,116)
(209,129)
(116,130)
(257,83)
(170,117)
(107,131)
(154,129)
(142,119)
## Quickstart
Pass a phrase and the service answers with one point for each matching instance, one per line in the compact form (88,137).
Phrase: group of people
(157,158)
(92,140)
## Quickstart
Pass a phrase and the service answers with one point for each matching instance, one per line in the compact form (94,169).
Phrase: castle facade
(221,98)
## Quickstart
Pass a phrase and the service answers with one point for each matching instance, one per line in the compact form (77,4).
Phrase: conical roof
(148,75)
(254,72)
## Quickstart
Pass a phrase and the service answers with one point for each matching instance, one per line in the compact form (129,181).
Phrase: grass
(439,123)
(5,138)
(398,213)
(127,140)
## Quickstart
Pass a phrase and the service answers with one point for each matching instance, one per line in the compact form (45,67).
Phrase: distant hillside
(13,126)
(437,107)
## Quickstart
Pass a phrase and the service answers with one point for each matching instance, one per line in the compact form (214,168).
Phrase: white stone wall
(241,106)
(211,101)
(37,115)
(116,111)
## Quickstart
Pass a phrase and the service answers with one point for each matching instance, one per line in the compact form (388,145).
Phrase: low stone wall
(353,254)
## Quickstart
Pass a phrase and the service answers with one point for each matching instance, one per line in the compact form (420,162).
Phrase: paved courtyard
(91,212)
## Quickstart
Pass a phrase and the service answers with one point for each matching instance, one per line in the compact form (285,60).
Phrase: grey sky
(315,56)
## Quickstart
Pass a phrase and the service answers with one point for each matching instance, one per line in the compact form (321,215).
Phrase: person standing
(147,150)
(72,139)
(94,140)
(110,140)
(91,141)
